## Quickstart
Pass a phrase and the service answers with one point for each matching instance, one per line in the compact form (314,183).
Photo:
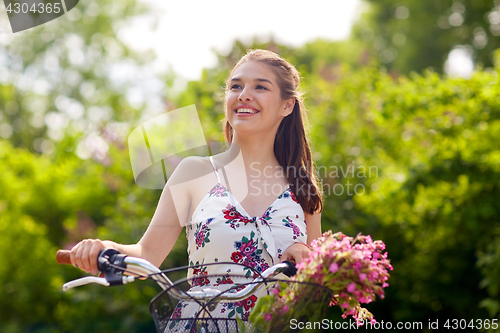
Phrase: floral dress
(220,230)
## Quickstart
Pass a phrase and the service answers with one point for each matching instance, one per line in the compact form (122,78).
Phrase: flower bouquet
(340,271)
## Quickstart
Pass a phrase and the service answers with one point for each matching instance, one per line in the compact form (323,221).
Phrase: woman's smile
(245,111)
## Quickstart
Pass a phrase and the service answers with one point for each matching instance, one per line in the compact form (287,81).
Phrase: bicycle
(113,265)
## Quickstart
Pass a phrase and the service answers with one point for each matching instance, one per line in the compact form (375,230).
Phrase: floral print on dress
(223,280)
(218,191)
(202,233)
(247,305)
(288,194)
(201,272)
(296,231)
(267,215)
(178,310)
(233,217)
(177,314)
(293,197)
(242,308)
(249,254)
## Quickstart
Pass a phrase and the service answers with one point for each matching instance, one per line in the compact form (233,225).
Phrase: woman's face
(253,100)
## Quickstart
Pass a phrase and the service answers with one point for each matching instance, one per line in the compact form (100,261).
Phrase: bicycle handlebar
(113,264)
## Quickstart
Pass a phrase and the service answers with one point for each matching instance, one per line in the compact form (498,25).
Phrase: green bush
(46,204)
(432,143)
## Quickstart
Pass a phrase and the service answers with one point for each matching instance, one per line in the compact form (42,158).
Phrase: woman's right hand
(84,254)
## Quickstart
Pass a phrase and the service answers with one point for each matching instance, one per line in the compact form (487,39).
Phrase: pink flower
(357,265)
(356,269)
(363,299)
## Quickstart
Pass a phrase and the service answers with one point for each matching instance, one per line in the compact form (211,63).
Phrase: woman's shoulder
(191,168)
(195,161)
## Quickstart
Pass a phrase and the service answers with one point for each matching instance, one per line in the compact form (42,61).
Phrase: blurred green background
(379,101)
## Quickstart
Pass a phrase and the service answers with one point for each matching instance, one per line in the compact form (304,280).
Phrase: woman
(256,204)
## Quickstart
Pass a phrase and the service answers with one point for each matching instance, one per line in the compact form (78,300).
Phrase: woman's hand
(296,253)
(84,254)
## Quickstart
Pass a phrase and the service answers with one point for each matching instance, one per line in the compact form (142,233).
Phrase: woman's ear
(289,105)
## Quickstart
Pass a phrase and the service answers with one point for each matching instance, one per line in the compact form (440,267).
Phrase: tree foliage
(432,199)
(413,35)
(70,76)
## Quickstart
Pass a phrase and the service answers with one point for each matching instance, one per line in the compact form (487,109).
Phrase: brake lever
(93,279)
(83,281)
(112,264)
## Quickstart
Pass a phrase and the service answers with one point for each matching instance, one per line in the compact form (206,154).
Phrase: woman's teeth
(246,111)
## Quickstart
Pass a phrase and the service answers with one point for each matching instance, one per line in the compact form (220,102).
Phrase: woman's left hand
(296,253)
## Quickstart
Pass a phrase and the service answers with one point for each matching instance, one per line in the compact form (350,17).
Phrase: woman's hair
(291,146)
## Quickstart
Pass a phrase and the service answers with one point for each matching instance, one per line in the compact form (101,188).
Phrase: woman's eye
(237,86)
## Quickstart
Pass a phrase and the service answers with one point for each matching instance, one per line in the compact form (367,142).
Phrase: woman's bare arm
(164,229)
(313,226)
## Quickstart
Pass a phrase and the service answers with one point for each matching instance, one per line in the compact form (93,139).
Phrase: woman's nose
(245,95)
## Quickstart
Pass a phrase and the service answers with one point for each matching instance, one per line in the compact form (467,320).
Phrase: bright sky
(184,33)
(188,30)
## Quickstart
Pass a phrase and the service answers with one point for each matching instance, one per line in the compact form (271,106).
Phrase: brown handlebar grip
(63,257)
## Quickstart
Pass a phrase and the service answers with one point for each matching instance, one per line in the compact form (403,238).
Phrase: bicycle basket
(168,316)
(171,315)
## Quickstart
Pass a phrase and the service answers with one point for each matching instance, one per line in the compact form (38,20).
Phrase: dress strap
(215,169)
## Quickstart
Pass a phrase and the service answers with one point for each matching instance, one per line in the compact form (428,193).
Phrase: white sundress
(221,231)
